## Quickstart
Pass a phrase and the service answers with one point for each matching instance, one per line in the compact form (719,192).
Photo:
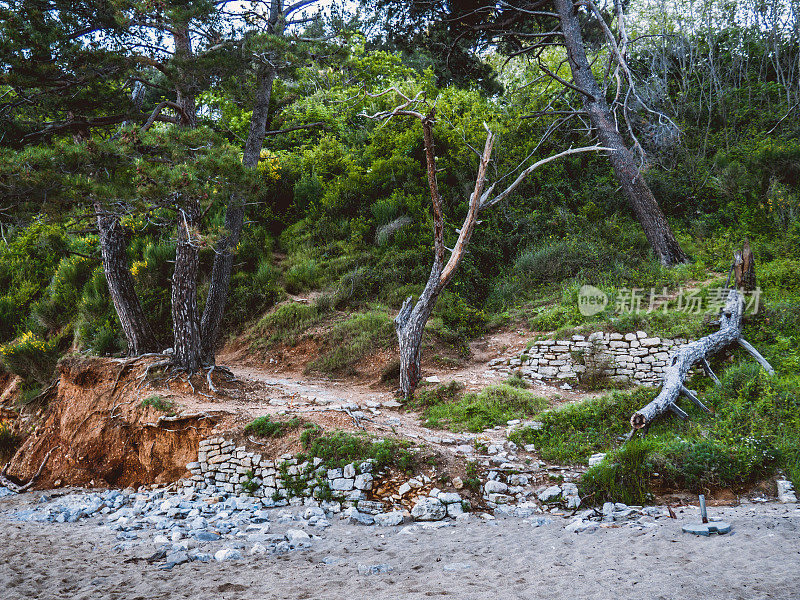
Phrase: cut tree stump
(682,359)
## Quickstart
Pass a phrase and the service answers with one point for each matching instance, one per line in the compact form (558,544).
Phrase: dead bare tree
(682,359)
(410,321)
(541,30)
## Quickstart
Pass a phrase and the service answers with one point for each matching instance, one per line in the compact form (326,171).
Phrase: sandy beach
(502,558)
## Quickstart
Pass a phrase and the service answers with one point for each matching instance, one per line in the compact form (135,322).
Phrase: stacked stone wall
(634,358)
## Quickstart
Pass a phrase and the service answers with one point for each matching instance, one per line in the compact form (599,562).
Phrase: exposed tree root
(14,487)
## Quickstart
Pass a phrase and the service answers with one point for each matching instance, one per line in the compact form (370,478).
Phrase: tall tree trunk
(410,325)
(214,309)
(185,86)
(185,322)
(137,329)
(638,194)
(410,321)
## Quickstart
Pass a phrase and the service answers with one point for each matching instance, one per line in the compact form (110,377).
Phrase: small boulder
(429,509)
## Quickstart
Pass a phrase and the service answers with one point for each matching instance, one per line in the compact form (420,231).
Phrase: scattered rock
(429,509)
(390,519)
(786,493)
(374,569)
(227,554)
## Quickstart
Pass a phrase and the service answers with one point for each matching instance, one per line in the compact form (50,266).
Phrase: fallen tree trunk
(730,331)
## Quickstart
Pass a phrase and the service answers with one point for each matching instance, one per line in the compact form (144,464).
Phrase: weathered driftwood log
(682,359)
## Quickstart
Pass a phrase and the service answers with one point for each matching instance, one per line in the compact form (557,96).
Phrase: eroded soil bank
(95,431)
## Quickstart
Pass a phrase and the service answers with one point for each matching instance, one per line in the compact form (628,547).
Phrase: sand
(507,558)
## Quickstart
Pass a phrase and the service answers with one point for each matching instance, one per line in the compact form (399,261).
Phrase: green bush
(160,404)
(341,448)
(446,392)
(264,427)
(351,340)
(623,476)
(492,406)
(31,357)
(305,274)
(285,324)
(573,432)
(699,464)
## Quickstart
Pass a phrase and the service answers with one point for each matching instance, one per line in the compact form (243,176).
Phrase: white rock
(449,497)
(390,519)
(296,535)
(549,494)
(496,487)
(433,379)
(258,549)
(227,554)
(596,459)
(363,481)
(429,509)
(578,525)
(786,493)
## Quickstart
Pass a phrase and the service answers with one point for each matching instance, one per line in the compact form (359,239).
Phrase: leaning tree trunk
(730,331)
(638,194)
(134,323)
(410,325)
(410,321)
(214,309)
(185,322)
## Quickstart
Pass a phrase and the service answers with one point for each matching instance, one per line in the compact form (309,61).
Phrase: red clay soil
(96,431)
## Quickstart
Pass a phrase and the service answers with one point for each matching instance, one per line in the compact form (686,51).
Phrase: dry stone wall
(634,358)
(224,467)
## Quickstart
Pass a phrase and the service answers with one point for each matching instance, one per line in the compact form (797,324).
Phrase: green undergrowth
(265,427)
(353,339)
(445,407)
(9,442)
(339,448)
(573,432)
(755,430)
(159,403)
(284,325)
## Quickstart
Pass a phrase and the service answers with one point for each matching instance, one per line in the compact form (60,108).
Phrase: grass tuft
(493,406)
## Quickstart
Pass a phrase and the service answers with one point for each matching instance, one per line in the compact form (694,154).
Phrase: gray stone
(363,481)
(596,459)
(342,484)
(258,549)
(455,510)
(786,493)
(374,569)
(390,519)
(177,558)
(549,494)
(227,554)
(495,487)
(356,517)
(429,509)
(449,497)
(451,567)
(313,511)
